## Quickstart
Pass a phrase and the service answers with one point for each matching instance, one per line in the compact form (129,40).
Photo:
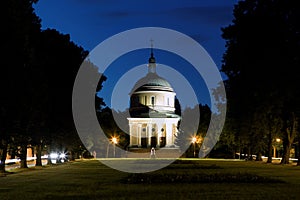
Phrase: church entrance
(153,141)
(162,141)
(144,142)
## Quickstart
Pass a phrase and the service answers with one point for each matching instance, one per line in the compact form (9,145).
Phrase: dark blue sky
(89,22)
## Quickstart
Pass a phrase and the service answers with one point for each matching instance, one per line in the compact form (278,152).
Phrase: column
(174,132)
(130,134)
(136,133)
(169,134)
(139,135)
(149,129)
(159,135)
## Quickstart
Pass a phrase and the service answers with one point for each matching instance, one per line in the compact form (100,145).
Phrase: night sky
(89,22)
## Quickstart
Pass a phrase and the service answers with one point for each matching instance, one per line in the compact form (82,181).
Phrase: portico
(152,132)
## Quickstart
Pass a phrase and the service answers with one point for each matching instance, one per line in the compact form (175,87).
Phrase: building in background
(153,122)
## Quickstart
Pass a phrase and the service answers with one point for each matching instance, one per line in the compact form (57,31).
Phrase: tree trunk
(286,154)
(270,147)
(72,156)
(298,162)
(38,155)
(258,157)
(13,152)
(3,153)
(23,156)
(289,139)
(49,162)
(249,154)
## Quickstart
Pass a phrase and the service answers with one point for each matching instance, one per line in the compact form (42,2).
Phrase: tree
(20,29)
(290,132)
(190,128)
(99,102)
(37,84)
(260,62)
(3,152)
(112,129)
(61,59)
(298,163)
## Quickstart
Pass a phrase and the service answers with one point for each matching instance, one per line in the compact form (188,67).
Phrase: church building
(152,122)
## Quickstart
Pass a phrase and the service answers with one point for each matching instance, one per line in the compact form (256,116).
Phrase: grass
(183,179)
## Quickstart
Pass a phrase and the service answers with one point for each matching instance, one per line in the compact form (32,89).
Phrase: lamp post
(275,147)
(194,139)
(107,148)
(114,141)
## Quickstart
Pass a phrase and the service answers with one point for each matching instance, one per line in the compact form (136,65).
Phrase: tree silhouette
(37,84)
(195,122)
(61,59)
(261,62)
(20,31)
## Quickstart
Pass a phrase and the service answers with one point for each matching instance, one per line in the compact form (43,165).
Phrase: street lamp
(114,141)
(194,140)
(278,140)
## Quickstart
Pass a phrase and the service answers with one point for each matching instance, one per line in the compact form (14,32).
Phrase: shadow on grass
(162,178)
(191,164)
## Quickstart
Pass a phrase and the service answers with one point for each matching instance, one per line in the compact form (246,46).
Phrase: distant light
(194,139)
(278,140)
(114,140)
(62,155)
(53,155)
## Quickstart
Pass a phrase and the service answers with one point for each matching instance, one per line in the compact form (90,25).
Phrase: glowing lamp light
(62,155)
(277,139)
(53,155)
(194,139)
(114,140)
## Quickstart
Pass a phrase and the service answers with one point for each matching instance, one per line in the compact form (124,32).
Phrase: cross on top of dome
(151,59)
(152,81)
(152,63)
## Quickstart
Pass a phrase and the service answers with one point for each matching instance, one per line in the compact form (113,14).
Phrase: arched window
(145,100)
(152,100)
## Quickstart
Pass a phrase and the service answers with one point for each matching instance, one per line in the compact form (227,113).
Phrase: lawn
(184,179)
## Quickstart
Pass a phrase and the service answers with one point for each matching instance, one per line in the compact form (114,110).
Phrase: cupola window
(152,100)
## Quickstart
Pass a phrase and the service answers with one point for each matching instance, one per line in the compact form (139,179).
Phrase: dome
(152,96)
(152,82)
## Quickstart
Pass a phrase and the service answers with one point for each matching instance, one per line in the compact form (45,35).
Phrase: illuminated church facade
(152,122)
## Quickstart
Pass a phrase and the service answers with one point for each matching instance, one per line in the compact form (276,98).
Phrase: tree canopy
(36,83)
(261,62)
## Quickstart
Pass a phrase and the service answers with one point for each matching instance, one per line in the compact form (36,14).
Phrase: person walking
(152,153)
